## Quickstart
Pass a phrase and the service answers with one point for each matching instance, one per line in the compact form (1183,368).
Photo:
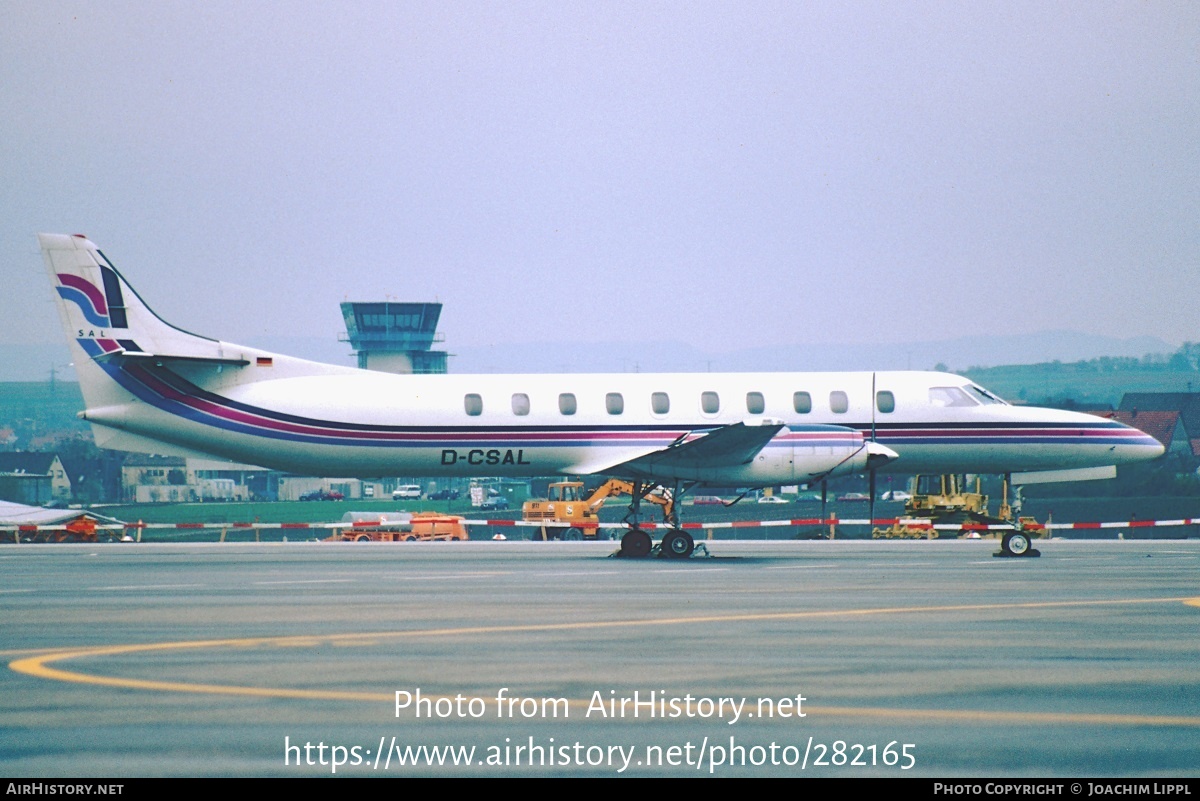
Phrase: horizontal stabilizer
(160,358)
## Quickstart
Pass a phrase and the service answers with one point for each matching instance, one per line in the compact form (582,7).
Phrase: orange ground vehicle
(566,504)
(81,529)
(403,527)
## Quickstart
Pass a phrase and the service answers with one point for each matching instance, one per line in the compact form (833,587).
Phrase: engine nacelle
(798,454)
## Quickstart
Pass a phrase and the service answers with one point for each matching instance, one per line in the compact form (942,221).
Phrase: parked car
(895,495)
(406,491)
(707,500)
(323,495)
(771,499)
(854,496)
(443,495)
(494,503)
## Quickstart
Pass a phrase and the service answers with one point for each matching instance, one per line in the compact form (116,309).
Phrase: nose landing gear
(1017,543)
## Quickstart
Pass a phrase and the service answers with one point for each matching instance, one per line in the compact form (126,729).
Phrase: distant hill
(33,362)
(956,354)
(38,409)
(1079,384)
(35,410)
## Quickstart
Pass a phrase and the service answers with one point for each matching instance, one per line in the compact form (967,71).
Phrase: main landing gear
(638,544)
(676,544)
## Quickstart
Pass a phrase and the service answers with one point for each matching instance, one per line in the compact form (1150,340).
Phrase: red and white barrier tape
(915,523)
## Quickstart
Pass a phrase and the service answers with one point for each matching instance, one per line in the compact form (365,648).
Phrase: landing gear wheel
(1016,544)
(636,543)
(677,544)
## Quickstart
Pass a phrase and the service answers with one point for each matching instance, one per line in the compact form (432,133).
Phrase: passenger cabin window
(660,403)
(755,403)
(710,402)
(473,404)
(885,402)
(520,404)
(566,403)
(838,402)
(614,402)
(949,396)
(802,402)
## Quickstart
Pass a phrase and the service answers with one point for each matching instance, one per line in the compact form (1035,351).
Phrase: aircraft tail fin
(138,372)
(103,315)
(111,328)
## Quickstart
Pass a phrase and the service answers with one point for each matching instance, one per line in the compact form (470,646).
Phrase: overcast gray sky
(725,174)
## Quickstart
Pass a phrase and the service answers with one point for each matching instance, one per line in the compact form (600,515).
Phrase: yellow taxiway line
(40,665)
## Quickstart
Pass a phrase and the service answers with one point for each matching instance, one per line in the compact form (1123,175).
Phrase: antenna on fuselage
(871,470)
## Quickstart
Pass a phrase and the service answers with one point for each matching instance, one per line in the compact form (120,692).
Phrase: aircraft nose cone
(879,455)
(1141,446)
(1152,448)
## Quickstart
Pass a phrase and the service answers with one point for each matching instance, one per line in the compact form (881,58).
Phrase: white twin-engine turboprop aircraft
(151,387)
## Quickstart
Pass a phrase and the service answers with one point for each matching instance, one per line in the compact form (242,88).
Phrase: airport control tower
(395,337)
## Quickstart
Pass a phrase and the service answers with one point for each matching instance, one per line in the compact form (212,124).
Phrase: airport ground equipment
(946,500)
(566,503)
(399,527)
(81,529)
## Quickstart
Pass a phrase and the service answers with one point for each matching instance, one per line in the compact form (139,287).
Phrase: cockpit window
(950,396)
(983,396)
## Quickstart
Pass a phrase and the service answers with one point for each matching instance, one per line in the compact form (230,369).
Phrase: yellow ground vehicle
(947,499)
(567,504)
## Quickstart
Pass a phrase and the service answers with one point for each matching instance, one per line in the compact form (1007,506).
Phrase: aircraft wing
(726,446)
